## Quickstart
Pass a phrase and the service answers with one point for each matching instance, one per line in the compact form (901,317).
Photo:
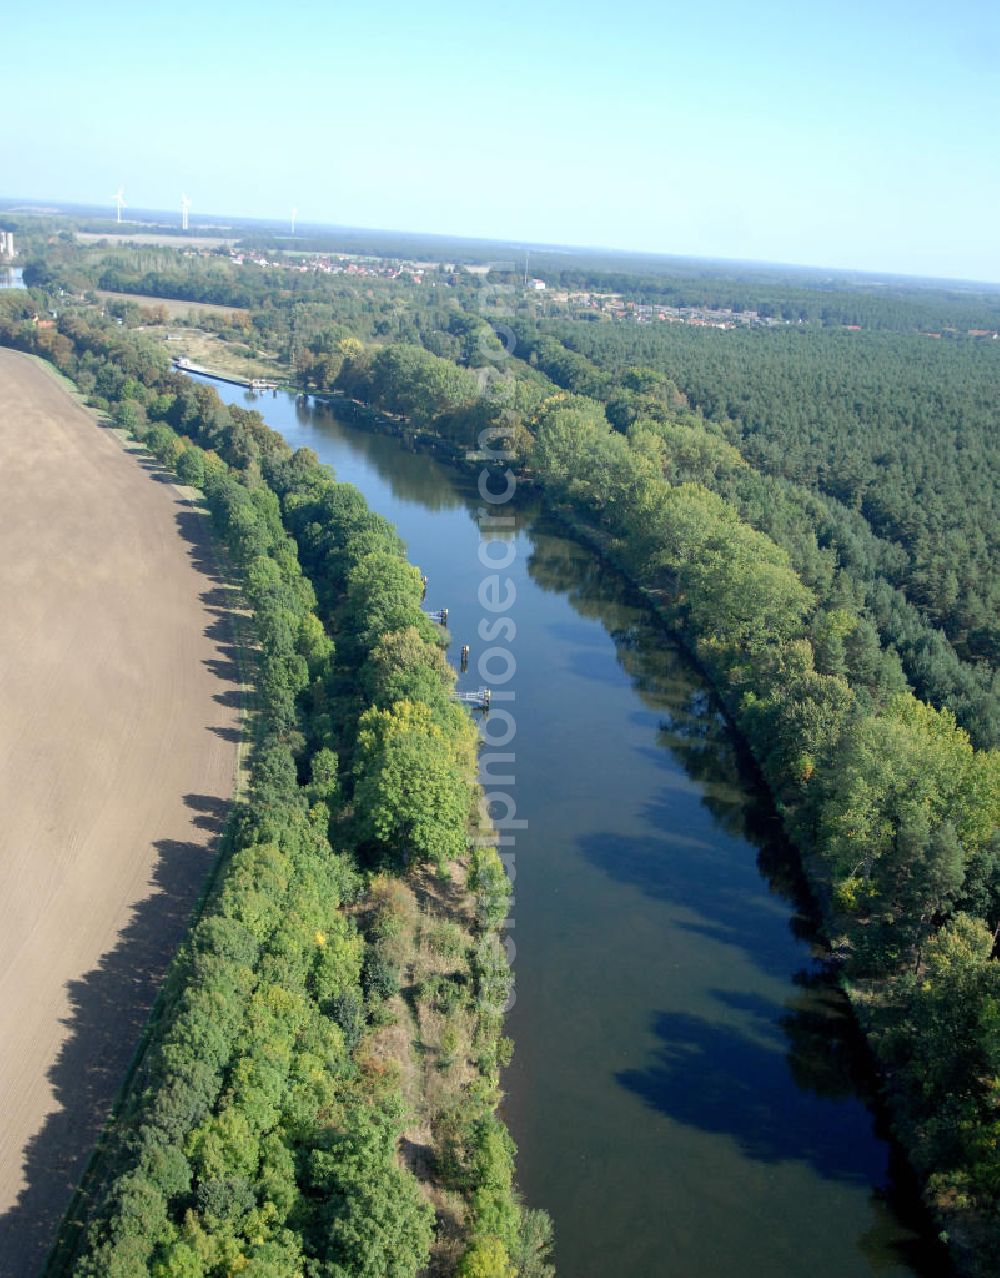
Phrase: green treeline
(830,539)
(262,1130)
(894,810)
(898,427)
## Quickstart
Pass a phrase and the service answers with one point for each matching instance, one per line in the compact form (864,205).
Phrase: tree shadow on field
(228,734)
(156,470)
(212,812)
(110,1005)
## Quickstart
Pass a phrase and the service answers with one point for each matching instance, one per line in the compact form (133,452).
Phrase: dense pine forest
(813,510)
(849,467)
(897,427)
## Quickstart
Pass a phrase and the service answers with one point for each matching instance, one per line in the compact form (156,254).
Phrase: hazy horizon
(212,220)
(861,139)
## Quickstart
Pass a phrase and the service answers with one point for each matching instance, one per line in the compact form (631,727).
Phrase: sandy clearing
(212,352)
(119,722)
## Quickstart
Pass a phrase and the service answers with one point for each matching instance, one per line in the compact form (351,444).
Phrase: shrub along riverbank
(319,1089)
(894,811)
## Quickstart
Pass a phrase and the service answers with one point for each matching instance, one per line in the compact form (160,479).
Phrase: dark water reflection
(688,1092)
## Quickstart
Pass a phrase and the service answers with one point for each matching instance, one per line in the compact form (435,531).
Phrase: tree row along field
(319,1087)
(118,745)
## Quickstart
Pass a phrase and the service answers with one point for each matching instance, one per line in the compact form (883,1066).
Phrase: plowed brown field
(119,723)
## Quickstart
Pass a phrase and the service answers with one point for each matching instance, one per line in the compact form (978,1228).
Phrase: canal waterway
(687,1091)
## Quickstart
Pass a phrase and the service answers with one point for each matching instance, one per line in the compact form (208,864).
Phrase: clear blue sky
(850,133)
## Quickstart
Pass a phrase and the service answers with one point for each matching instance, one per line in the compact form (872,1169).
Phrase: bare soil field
(175,307)
(165,240)
(119,728)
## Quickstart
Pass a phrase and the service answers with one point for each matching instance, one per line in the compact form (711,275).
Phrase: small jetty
(440,615)
(255,384)
(480,699)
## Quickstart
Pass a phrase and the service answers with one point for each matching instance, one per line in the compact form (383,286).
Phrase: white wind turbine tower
(185,205)
(120,201)
(295,214)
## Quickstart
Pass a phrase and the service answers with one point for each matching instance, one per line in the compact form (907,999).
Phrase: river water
(686,1087)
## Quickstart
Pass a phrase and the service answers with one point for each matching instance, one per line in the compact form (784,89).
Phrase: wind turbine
(185,205)
(120,201)
(295,214)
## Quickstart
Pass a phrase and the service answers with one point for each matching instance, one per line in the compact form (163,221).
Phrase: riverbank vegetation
(894,809)
(319,1087)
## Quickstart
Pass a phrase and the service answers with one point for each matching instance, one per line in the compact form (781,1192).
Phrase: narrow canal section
(687,1092)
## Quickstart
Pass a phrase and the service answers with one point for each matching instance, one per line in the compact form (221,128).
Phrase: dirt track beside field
(119,724)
